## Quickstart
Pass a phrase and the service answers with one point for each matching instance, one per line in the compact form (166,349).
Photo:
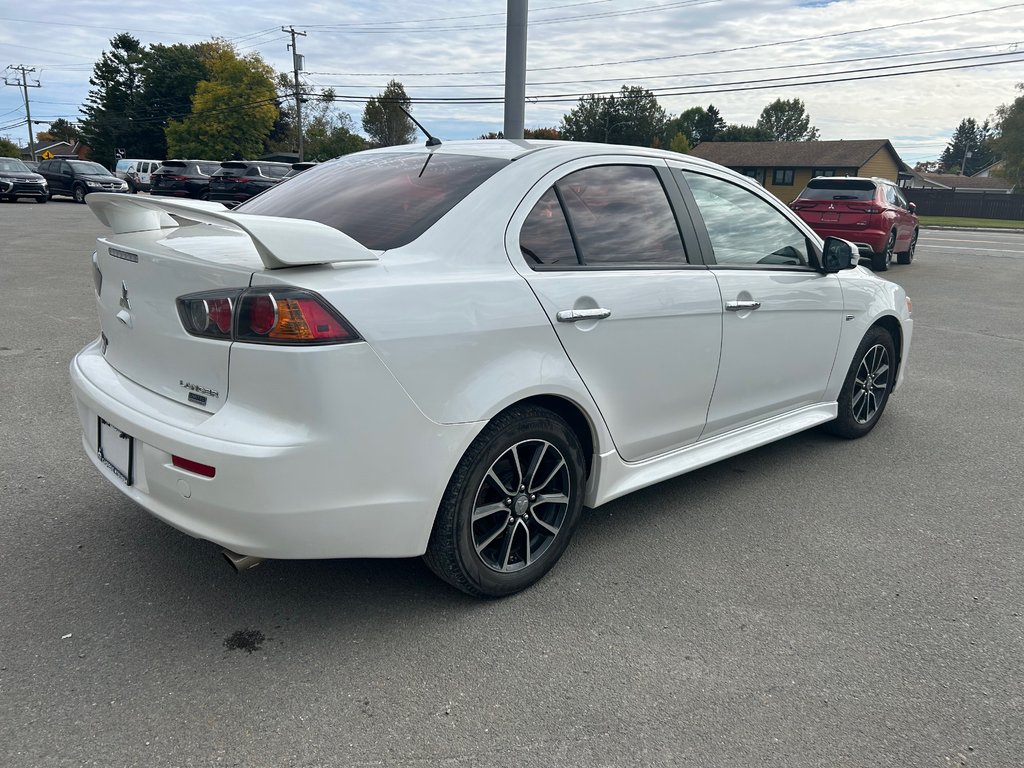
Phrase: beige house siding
(881,165)
(787,192)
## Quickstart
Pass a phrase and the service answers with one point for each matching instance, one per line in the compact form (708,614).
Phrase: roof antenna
(432,141)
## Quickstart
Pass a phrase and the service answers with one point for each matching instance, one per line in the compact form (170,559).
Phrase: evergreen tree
(1010,140)
(969,137)
(112,106)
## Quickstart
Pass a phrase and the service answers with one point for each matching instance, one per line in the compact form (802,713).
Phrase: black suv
(77,178)
(238,180)
(18,180)
(183,178)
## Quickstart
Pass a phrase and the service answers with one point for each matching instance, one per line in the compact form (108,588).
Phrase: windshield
(13,164)
(85,167)
(382,201)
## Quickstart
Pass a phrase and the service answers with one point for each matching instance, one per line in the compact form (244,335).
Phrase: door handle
(739,306)
(575,315)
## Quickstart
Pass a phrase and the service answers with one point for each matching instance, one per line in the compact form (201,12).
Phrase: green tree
(8,148)
(61,130)
(326,132)
(680,144)
(743,133)
(170,75)
(787,120)
(112,106)
(633,117)
(233,112)
(697,124)
(1009,142)
(969,137)
(384,122)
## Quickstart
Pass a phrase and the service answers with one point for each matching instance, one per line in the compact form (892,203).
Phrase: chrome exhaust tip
(241,562)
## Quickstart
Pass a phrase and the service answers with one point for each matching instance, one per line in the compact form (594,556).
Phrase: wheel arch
(895,330)
(575,417)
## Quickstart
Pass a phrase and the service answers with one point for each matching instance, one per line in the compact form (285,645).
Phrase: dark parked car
(77,178)
(183,178)
(18,180)
(873,213)
(238,180)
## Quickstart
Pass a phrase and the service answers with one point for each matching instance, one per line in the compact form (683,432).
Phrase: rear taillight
(232,179)
(193,466)
(863,207)
(264,316)
(175,178)
(801,205)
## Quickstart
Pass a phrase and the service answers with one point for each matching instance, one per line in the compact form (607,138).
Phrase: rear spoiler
(280,242)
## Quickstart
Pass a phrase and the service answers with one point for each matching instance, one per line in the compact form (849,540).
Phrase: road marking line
(960,248)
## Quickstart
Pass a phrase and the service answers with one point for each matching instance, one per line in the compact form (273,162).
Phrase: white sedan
(449,351)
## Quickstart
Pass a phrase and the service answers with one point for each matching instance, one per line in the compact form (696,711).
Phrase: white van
(136,173)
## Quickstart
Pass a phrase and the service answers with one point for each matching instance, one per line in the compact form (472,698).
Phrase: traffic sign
(47,155)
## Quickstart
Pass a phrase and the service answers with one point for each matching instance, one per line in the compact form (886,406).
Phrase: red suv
(872,213)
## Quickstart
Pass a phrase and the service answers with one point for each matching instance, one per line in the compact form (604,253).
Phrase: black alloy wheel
(880,261)
(511,505)
(907,256)
(867,386)
(78,193)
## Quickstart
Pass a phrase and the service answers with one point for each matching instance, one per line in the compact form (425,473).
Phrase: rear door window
(608,215)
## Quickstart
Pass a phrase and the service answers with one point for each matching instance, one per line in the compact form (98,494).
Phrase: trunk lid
(143,274)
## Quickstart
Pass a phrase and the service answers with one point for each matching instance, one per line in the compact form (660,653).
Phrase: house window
(824,172)
(782,177)
(753,173)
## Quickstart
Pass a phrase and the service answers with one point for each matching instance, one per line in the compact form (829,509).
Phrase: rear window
(275,171)
(382,201)
(839,189)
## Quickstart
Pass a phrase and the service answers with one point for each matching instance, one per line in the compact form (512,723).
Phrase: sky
(861,67)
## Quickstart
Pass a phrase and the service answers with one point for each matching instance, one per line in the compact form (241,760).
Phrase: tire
(907,256)
(525,453)
(78,193)
(42,199)
(204,195)
(880,261)
(867,386)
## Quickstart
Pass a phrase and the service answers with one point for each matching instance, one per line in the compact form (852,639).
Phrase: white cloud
(678,38)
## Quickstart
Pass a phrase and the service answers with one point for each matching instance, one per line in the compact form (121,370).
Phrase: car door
(64,177)
(905,220)
(781,318)
(601,248)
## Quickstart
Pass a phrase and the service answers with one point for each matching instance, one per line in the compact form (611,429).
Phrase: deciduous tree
(633,117)
(786,120)
(233,111)
(1010,141)
(384,122)
(8,148)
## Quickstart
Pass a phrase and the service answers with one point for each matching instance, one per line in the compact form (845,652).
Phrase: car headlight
(93,184)
(7,179)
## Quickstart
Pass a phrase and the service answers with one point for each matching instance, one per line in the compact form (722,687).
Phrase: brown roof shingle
(799,154)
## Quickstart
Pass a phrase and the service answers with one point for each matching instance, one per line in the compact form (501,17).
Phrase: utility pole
(25,85)
(515,68)
(296,68)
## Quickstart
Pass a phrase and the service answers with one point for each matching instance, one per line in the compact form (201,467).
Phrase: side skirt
(612,477)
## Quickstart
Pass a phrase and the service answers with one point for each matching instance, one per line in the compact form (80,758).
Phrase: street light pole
(963,165)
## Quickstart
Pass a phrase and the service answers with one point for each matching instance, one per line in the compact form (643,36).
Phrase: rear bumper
(345,467)
(871,240)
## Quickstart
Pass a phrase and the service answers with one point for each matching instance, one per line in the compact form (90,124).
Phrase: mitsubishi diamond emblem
(125,315)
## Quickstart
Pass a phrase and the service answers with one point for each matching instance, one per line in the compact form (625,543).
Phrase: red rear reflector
(193,466)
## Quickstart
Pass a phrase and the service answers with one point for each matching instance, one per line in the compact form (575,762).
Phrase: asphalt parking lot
(812,603)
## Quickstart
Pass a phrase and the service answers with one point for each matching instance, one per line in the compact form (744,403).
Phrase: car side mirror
(912,207)
(839,254)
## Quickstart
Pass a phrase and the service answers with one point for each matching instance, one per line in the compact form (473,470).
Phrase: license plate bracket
(116,450)
(830,218)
